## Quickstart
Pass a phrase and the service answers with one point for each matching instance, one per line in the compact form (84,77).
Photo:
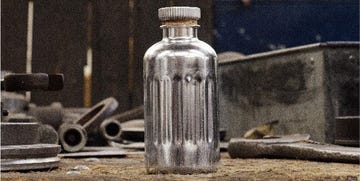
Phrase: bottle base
(180,170)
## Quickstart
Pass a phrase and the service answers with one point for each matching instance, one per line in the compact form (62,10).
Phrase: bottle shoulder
(170,48)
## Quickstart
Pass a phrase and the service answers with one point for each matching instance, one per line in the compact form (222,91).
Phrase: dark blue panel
(266,25)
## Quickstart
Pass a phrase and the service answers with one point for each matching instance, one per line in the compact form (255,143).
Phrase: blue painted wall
(265,25)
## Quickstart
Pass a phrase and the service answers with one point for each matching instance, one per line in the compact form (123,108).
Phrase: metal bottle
(181,121)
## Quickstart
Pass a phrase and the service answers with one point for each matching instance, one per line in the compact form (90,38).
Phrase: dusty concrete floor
(132,168)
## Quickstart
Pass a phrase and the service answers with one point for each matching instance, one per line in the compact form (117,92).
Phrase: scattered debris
(73,173)
(80,167)
(92,160)
(261,130)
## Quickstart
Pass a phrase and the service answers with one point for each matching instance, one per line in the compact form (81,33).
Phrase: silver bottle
(181,129)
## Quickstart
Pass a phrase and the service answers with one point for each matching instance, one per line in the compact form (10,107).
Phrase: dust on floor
(132,168)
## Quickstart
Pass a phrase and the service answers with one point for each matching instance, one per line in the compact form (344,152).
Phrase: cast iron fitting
(110,129)
(72,137)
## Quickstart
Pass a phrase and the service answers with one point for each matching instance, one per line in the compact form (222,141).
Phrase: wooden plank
(13,35)
(147,32)
(59,46)
(110,51)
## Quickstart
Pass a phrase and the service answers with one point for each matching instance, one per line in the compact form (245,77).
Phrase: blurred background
(99,45)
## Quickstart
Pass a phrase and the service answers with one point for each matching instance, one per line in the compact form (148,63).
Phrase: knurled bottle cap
(179,13)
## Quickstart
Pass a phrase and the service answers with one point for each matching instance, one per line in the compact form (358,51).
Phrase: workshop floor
(132,168)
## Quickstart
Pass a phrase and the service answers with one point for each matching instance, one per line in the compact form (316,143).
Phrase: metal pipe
(73,137)
(110,129)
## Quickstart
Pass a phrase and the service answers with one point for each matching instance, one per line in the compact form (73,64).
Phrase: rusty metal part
(91,120)
(133,130)
(110,129)
(19,118)
(136,113)
(76,110)
(72,137)
(292,146)
(23,130)
(13,102)
(21,148)
(29,157)
(51,115)
(29,164)
(34,81)
(96,152)
(19,133)
(347,131)
(48,134)
(29,151)
(70,117)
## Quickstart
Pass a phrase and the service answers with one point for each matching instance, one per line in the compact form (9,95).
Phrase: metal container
(181,129)
(304,88)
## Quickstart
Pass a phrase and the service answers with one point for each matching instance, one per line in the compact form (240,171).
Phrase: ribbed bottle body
(181,121)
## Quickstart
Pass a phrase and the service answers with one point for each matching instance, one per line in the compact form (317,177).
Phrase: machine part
(48,134)
(29,157)
(72,137)
(70,117)
(110,129)
(19,133)
(91,120)
(292,146)
(304,87)
(19,118)
(133,130)
(102,152)
(76,110)
(29,164)
(136,113)
(13,102)
(35,81)
(51,115)
(347,131)
(29,151)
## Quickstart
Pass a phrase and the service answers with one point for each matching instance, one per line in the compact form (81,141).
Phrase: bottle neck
(173,30)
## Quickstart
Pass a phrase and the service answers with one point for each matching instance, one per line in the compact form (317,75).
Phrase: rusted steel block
(304,88)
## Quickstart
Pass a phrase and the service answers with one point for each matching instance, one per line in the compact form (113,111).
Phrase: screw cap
(179,13)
